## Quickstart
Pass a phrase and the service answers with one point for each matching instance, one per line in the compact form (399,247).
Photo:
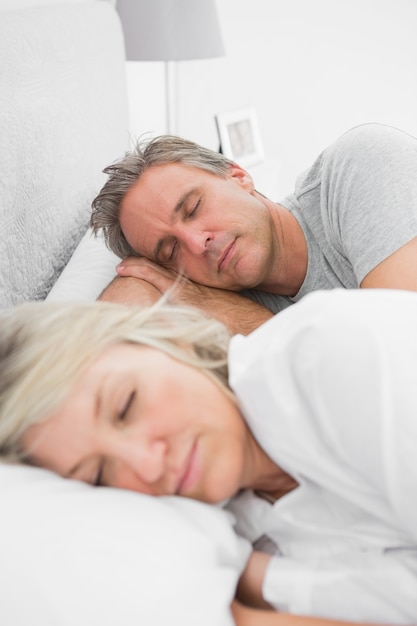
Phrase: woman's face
(140,420)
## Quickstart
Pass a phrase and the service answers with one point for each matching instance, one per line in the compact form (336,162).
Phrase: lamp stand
(171,97)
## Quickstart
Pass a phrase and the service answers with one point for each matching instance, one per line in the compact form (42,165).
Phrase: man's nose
(197,241)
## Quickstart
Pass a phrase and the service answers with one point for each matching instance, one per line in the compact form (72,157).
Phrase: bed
(72,554)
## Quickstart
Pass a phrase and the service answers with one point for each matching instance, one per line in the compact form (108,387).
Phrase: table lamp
(170,31)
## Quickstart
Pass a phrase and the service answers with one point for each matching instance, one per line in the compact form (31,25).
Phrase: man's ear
(242,177)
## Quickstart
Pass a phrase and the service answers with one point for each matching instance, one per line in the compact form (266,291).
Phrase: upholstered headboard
(63,117)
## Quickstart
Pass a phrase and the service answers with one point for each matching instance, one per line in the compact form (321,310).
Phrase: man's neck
(289,268)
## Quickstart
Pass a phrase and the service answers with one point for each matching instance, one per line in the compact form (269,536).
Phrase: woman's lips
(190,472)
(226,256)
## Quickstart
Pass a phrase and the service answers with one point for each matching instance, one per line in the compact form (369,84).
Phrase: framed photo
(239,136)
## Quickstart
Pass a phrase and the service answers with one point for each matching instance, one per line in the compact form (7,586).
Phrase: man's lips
(225,256)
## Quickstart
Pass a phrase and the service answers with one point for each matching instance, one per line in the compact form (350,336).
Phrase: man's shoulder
(371,136)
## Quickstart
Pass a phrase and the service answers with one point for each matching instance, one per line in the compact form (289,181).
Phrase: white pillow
(90,269)
(72,554)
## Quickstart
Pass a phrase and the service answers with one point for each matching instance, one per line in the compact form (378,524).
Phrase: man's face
(218,231)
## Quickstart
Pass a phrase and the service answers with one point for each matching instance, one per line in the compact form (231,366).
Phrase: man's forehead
(165,183)
(172,171)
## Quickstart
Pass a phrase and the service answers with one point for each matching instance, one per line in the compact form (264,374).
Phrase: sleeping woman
(306,429)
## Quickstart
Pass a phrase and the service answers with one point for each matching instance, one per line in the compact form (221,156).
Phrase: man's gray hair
(126,172)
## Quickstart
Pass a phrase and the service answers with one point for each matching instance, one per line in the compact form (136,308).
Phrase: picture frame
(239,136)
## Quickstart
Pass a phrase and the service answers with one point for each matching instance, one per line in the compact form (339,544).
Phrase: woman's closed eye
(125,410)
(98,479)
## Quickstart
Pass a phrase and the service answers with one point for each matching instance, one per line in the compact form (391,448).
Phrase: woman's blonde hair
(45,346)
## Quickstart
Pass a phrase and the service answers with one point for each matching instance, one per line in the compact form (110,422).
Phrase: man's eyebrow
(177,208)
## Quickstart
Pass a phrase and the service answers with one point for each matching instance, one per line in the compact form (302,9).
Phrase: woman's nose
(149,461)
(141,462)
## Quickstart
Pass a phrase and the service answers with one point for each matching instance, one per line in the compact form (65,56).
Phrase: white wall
(12,5)
(311,68)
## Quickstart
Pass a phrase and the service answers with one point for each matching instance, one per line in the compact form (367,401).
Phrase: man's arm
(398,271)
(130,291)
(238,313)
(143,282)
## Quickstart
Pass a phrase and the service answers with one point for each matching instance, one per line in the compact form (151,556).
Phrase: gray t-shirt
(357,204)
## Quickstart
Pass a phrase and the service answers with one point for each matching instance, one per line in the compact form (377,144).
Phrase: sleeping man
(172,207)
